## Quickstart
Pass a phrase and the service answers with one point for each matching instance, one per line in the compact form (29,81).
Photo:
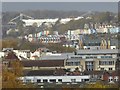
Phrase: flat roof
(98,51)
(56,57)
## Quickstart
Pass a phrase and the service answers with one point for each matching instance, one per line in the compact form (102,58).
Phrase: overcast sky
(59,0)
(79,6)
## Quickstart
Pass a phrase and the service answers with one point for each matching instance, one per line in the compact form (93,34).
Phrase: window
(102,68)
(76,63)
(106,56)
(106,62)
(89,65)
(28,80)
(82,80)
(91,57)
(73,80)
(76,57)
(5,63)
(45,80)
(59,80)
(38,80)
(52,80)
(86,79)
(73,63)
(110,69)
(116,80)
(87,57)
(95,56)
(111,62)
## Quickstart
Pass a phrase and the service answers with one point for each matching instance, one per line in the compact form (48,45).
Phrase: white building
(55,79)
(2,54)
(22,54)
(50,39)
(48,22)
(35,55)
(30,22)
(65,20)
(90,60)
(114,30)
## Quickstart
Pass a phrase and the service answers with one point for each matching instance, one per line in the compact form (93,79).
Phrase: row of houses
(101,29)
(85,43)
(80,66)
(74,33)
(80,41)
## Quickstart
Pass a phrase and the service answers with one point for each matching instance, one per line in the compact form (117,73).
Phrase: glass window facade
(73,63)
(106,63)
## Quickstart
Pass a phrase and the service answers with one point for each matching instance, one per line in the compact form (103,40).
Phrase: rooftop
(57,56)
(43,63)
(98,51)
(44,72)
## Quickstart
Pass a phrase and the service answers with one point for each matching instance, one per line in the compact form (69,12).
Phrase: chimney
(105,44)
(109,44)
(102,44)
(80,44)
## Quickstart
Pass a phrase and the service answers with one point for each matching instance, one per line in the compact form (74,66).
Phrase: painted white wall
(2,54)
(64,78)
(23,53)
(113,47)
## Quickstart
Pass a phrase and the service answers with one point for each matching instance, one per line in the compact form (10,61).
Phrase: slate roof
(109,73)
(54,72)
(91,40)
(38,73)
(43,63)
(93,72)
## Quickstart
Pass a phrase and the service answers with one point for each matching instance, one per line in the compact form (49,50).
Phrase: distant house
(111,77)
(2,54)
(91,42)
(114,30)
(49,39)
(11,56)
(97,42)
(22,54)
